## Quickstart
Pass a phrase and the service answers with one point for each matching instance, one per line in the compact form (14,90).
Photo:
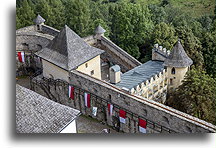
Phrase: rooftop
(37,114)
(99,30)
(39,20)
(178,57)
(68,50)
(140,74)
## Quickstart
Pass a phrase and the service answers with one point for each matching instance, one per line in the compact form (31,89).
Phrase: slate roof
(37,114)
(38,20)
(99,30)
(140,74)
(67,50)
(178,57)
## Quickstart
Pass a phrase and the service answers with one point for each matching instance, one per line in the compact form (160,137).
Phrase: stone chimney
(115,74)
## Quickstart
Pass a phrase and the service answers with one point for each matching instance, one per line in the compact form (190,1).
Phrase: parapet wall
(123,55)
(49,30)
(160,118)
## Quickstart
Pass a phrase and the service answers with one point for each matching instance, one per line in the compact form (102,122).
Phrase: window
(92,72)
(38,27)
(86,65)
(173,71)
(171,81)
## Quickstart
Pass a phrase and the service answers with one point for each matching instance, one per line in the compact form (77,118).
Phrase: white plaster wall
(71,128)
(50,70)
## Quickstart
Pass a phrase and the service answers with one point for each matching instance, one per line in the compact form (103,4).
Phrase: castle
(94,66)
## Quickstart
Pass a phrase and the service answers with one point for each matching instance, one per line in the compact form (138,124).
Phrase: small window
(173,71)
(92,72)
(86,65)
(171,81)
(38,27)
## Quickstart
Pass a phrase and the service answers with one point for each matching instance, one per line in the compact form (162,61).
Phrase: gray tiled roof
(68,51)
(99,30)
(178,57)
(140,74)
(37,114)
(38,20)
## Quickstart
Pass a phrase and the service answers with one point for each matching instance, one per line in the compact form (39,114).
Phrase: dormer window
(173,71)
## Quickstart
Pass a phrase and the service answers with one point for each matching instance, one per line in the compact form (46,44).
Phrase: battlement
(159,53)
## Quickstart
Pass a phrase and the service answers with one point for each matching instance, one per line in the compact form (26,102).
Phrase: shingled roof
(178,57)
(68,51)
(38,20)
(140,74)
(99,30)
(37,114)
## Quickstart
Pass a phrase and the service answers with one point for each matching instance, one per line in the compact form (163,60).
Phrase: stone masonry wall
(159,117)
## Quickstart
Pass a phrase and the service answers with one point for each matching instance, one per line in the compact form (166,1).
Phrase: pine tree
(25,14)
(196,96)
(78,16)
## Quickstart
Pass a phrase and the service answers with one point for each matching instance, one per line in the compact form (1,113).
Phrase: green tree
(131,25)
(78,16)
(191,44)
(25,14)
(209,51)
(196,96)
(164,35)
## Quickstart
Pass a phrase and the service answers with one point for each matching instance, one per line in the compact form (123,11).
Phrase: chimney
(115,74)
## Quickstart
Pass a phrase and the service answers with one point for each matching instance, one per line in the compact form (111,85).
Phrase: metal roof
(99,30)
(140,74)
(38,20)
(178,57)
(68,51)
(116,68)
(38,114)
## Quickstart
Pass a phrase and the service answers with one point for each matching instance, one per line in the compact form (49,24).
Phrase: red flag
(87,100)
(110,109)
(71,92)
(142,125)
(122,116)
(21,56)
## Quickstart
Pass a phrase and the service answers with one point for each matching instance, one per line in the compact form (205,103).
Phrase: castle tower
(39,20)
(177,63)
(99,31)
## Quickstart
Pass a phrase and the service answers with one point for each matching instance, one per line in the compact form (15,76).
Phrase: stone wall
(29,41)
(159,117)
(49,30)
(123,56)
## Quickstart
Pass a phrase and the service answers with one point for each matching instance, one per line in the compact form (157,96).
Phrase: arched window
(173,71)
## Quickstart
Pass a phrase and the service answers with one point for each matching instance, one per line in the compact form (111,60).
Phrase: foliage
(164,35)
(196,96)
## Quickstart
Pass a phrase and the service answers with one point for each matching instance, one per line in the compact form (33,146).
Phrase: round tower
(99,31)
(177,64)
(39,20)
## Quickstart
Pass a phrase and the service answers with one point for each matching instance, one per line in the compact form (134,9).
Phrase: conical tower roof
(99,30)
(178,57)
(39,20)
(68,50)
